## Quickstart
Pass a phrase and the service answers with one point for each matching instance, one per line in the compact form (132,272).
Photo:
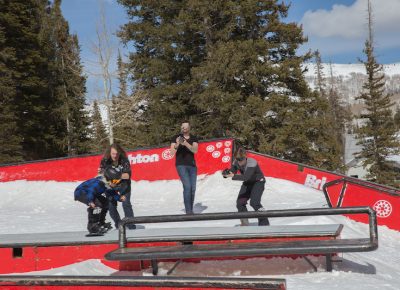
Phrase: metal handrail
(373,229)
(30,281)
(363,183)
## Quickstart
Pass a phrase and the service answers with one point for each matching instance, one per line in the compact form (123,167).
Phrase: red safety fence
(147,164)
(157,164)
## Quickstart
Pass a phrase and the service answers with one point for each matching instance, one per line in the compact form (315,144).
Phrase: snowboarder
(252,187)
(96,193)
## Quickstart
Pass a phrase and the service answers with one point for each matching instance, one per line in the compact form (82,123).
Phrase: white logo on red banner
(210,148)
(166,154)
(226,159)
(145,158)
(383,208)
(223,152)
(314,182)
(216,154)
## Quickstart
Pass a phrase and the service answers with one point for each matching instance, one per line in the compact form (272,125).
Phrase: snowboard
(99,234)
(95,234)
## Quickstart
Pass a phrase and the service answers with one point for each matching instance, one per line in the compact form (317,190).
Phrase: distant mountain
(348,79)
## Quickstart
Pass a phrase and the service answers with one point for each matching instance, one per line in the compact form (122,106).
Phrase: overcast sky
(337,28)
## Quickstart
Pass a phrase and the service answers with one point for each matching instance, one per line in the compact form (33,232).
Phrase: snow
(36,206)
(346,70)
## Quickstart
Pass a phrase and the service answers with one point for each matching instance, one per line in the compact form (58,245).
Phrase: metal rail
(373,231)
(160,282)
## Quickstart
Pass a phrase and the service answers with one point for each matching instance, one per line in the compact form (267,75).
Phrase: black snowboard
(95,234)
(99,234)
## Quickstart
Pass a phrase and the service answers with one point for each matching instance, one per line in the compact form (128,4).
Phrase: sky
(27,208)
(337,28)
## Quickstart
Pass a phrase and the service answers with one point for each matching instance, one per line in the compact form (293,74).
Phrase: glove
(226,172)
(122,188)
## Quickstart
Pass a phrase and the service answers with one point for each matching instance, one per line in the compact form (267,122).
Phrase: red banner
(147,164)
(387,206)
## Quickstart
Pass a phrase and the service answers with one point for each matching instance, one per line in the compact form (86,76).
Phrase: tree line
(42,84)
(232,68)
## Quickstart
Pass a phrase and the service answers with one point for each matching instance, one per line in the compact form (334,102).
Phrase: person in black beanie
(252,187)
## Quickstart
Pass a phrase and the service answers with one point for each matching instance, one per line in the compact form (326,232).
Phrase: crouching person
(95,193)
(252,187)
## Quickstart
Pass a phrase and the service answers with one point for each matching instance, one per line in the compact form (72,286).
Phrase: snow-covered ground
(31,207)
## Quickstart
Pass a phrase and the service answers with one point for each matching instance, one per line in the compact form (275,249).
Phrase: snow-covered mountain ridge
(348,79)
(346,70)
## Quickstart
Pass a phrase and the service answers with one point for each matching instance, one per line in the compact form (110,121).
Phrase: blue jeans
(126,206)
(188,176)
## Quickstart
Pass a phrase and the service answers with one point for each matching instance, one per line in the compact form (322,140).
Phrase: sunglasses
(240,158)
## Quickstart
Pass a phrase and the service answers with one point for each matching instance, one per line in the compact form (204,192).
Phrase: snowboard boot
(94,225)
(264,220)
(94,228)
(106,226)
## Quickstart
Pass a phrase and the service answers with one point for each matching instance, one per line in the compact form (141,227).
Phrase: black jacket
(250,172)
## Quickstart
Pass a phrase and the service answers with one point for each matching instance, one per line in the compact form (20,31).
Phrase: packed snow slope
(32,207)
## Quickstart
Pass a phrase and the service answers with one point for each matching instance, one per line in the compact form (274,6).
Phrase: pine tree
(100,137)
(229,67)
(11,140)
(397,118)
(70,90)
(321,85)
(340,113)
(25,33)
(333,121)
(157,67)
(50,88)
(377,134)
(123,108)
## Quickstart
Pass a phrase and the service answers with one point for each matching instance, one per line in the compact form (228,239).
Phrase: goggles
(115,181)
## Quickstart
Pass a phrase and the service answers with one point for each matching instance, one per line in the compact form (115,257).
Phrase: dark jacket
(95,187)
(250,173)
(123,165)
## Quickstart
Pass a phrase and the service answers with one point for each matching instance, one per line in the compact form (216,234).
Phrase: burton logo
(314,182)
(139,158)
(383,208)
